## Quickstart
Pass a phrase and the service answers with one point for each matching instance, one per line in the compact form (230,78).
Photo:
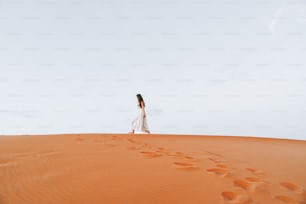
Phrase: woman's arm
(142,106)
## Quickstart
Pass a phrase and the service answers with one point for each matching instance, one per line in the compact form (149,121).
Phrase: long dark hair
(140,99)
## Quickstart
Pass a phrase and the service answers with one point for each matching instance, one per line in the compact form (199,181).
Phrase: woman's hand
(144,115)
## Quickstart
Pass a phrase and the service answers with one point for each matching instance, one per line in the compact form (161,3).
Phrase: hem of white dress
(139,132)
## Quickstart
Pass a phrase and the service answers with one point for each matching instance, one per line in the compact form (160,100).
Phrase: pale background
(203,67)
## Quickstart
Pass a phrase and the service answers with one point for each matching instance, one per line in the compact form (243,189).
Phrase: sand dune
(176,169)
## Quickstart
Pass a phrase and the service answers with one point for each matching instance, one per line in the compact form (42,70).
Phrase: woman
(140,124)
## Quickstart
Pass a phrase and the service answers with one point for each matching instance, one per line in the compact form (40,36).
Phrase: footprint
(216,161)
(285,199)
(229,195)
(236,198)
(244,199)
(132,141)
(188,157)
(255,171)
(151,154)
(242,184)
(161,149)
(185,165)
(212,153)
(213,159)
(290,186)
(222,166)
(179,153)
(253,179)
(218,171)
(176,154)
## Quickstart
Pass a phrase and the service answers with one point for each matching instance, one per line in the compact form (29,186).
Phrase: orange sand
(144,169)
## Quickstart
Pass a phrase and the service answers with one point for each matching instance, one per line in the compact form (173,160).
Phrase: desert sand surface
(151,169)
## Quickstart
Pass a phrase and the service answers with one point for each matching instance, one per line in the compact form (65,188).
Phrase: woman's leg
(133,127)
(145,126)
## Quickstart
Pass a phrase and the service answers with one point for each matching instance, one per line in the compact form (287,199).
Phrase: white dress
(140,123)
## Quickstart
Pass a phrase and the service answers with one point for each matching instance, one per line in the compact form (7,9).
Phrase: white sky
(203,67)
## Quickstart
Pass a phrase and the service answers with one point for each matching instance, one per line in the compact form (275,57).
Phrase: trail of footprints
(293,188)
(299,196)
(245,187)
(183,162)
